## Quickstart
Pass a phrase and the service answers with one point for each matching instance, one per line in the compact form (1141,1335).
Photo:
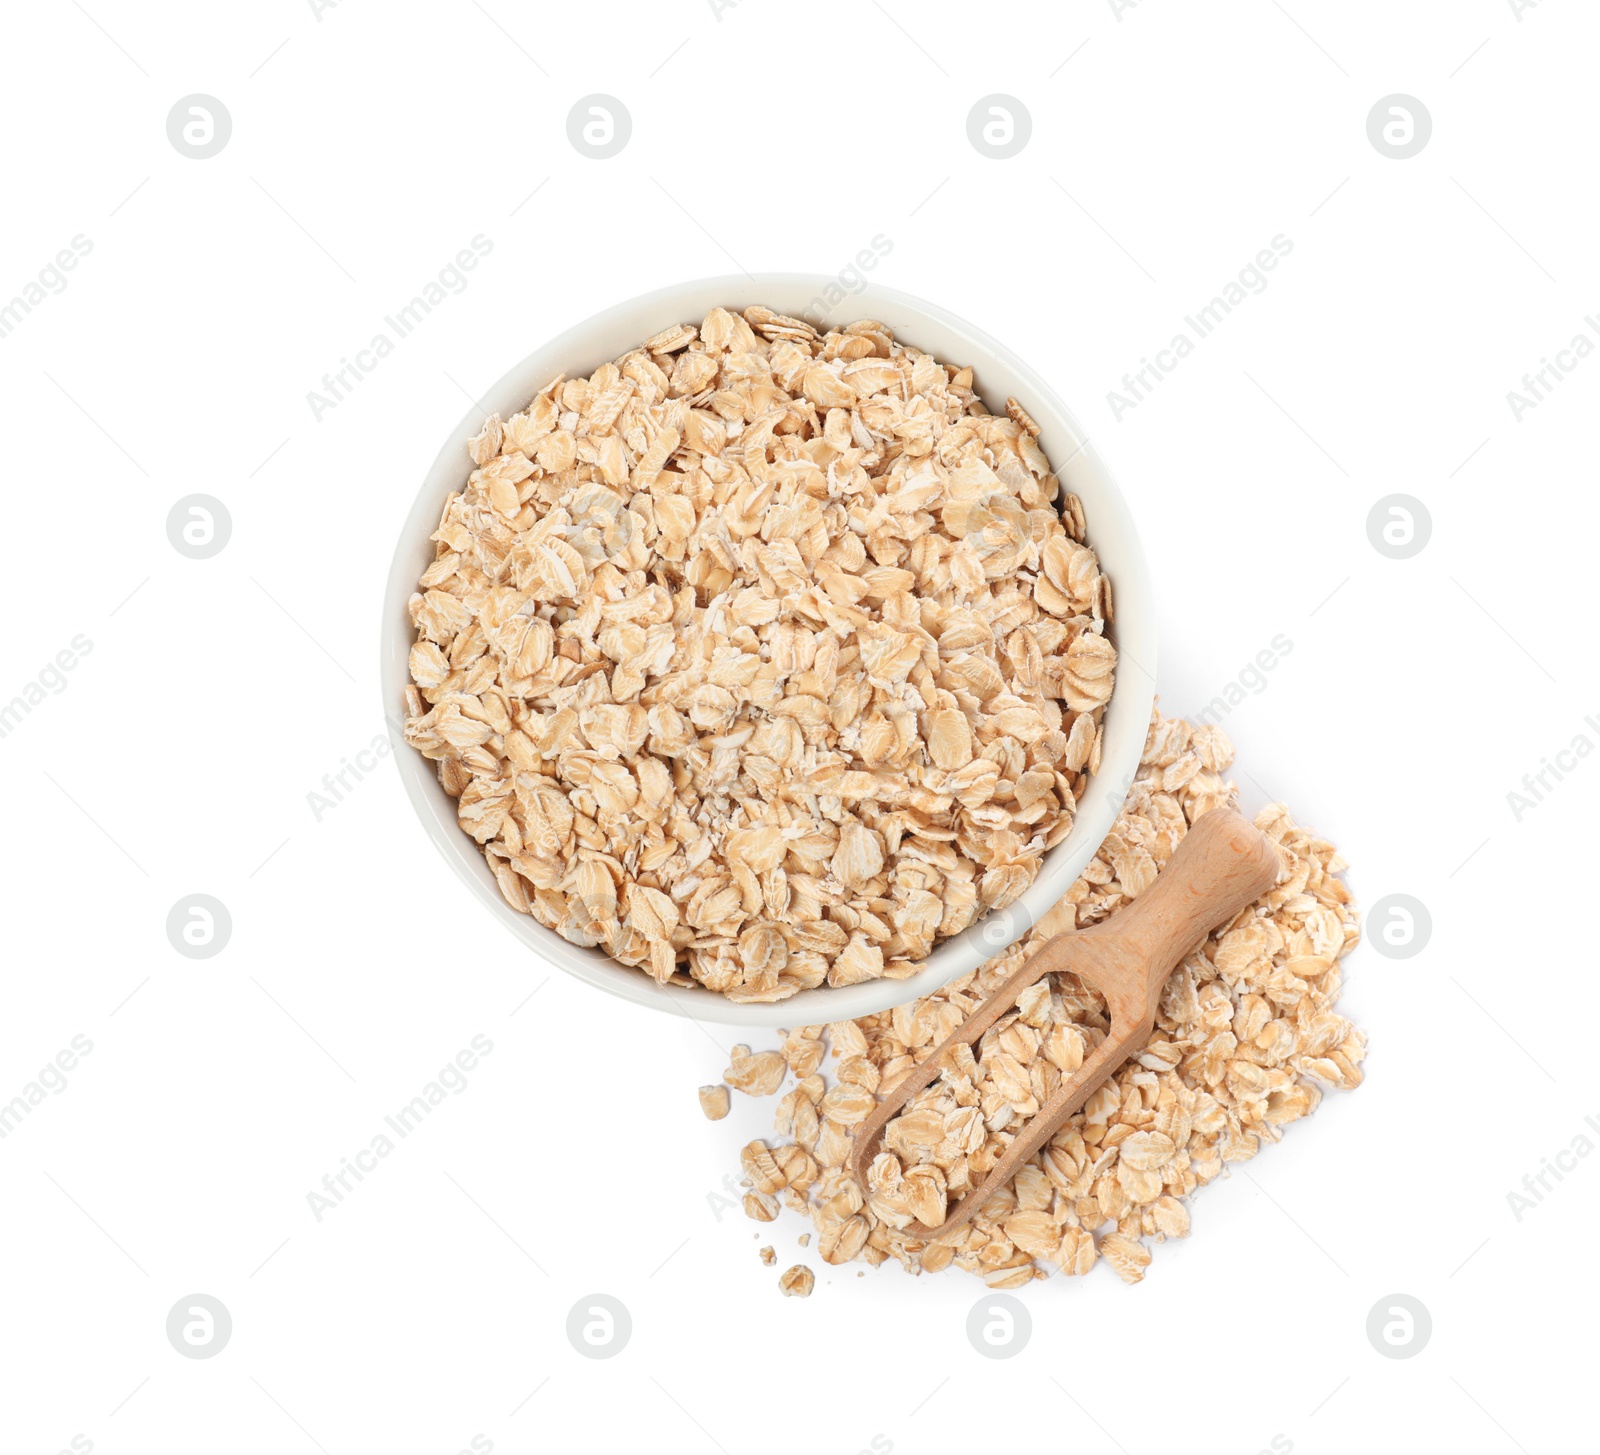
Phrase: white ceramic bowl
(999,373)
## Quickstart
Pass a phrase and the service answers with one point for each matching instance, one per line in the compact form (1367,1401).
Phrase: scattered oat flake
(1247,1039)
(1128,1257)
(797,1282)
(758,1075)
(714,1102)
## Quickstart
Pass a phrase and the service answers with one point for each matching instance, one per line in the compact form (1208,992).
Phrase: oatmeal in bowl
(767,663)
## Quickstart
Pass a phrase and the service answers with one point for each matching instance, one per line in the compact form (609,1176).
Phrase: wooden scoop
(1222,864)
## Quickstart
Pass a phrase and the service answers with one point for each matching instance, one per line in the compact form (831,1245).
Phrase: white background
(1170,143)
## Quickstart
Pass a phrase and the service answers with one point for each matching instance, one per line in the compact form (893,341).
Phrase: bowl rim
(1081,471)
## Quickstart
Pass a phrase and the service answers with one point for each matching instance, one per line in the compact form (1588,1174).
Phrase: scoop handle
(1222,864)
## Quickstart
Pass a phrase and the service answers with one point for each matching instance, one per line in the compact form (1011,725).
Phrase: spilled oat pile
(762,658)
(1245,1042)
